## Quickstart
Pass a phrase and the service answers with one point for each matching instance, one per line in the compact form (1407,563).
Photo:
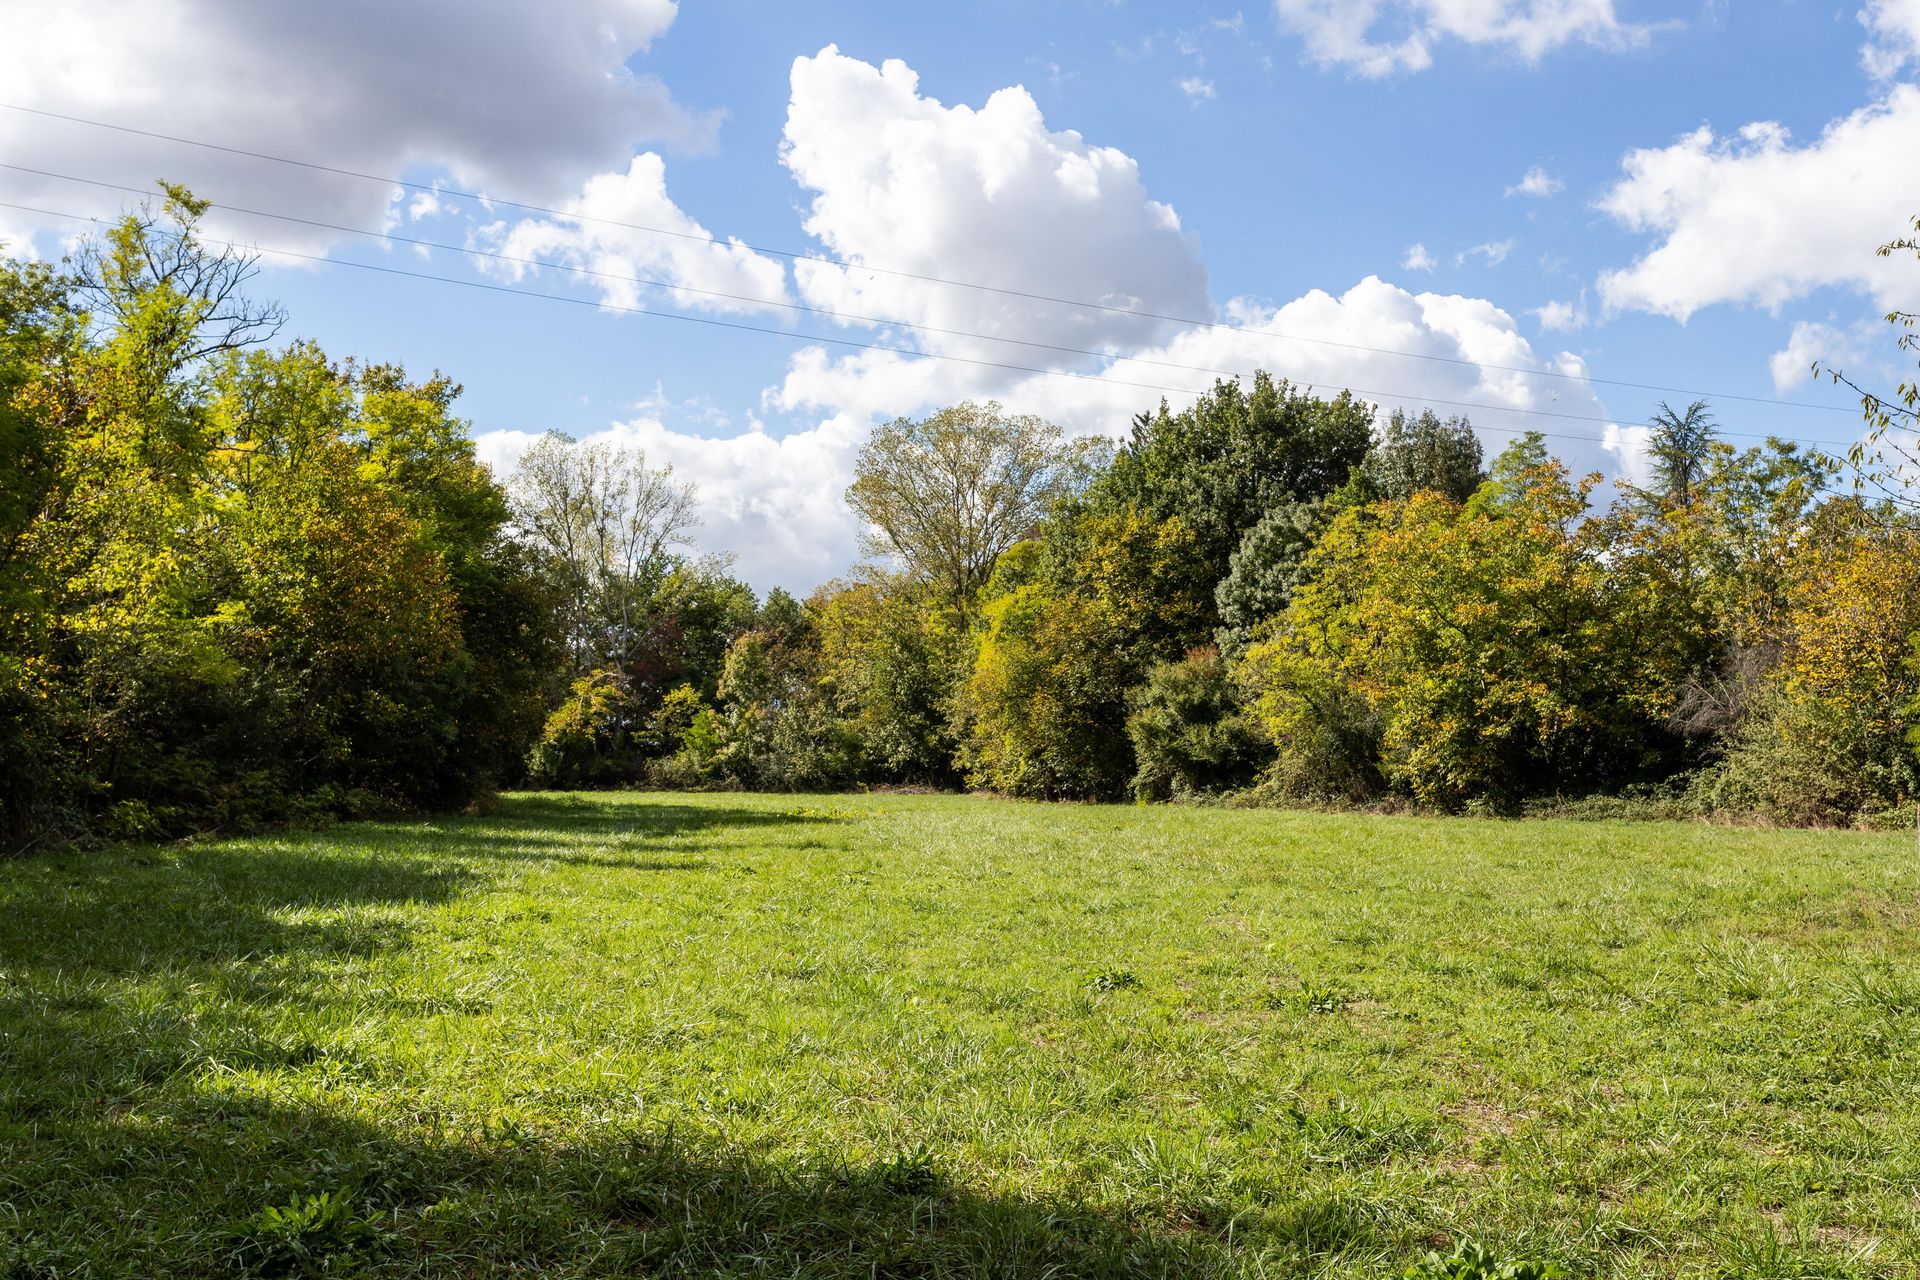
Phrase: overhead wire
(491,201)
(494,255)
(910,352)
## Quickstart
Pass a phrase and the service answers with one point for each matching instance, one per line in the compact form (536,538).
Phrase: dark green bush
(1190,737)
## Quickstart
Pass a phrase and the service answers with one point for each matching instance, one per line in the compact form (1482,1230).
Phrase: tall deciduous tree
(608,524)
(1234,455)
(947,494)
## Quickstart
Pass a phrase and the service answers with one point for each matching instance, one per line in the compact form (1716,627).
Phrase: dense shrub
(1190,736)
(1042,710)
(240,586)
(1491,645)
(892,653)
(1825,737)
(588,739)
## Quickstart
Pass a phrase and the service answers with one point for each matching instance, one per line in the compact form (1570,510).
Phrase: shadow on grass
(578,830)
(182,1192)
(135,910)
(123,968)
(144,1007)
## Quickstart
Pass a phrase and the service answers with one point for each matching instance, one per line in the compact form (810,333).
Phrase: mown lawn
(929,1036)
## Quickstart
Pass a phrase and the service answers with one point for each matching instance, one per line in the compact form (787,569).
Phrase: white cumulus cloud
(1561,316)
(603,236)
(1381,37)
(1849,349)
(1417,259)
(1757,219)
(989,195)
(994,195)
(522,100)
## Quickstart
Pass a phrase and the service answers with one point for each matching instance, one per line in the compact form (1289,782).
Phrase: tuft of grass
(724,1034)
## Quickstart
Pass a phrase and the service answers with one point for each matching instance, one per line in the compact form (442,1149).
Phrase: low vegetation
(658,1034)
(243,586)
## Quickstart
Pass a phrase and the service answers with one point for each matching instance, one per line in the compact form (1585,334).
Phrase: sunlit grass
(651,1034)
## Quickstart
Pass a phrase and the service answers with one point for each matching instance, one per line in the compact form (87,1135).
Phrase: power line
(641,280)
(712,321)
(829,260)
(896,350)
(748,298)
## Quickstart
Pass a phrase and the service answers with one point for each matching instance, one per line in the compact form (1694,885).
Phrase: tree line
(242,586)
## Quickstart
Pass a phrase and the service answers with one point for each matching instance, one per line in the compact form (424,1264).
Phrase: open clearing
(927,1036)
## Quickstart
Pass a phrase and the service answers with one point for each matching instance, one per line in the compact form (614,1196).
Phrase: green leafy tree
(1824,739)
(892,653)
(1042,711)
(607,525)
(1722,559)
(1413,453)
(1266,569)
(243,586)
(947,494)
(1234,455)
(40,335)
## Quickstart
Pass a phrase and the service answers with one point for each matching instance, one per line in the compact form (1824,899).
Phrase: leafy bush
(1493,648)
(892,653)
(1190,736)
(241,586)
(1824,738)
(1042,710)
(586,738)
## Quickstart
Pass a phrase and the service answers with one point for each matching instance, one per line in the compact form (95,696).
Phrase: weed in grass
(1308,997)
(1472,1262)
(1347,1133)
(1877,989)
(1763,1253)
(1744,971)
(315,1235)
(1114,980)
(910,1173)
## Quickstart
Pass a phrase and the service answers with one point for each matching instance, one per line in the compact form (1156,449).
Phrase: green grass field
(930,1036)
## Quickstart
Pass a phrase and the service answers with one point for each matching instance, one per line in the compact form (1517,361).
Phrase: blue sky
(1708,184)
